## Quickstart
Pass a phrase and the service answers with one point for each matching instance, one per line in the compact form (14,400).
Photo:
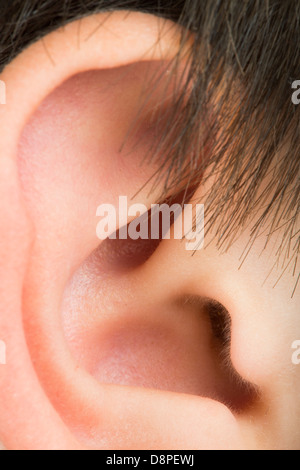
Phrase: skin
(89,343)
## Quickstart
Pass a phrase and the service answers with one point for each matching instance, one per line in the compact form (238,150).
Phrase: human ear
(61,67)
(106,348)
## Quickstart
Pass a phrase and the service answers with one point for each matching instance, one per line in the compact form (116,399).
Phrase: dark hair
(247,55)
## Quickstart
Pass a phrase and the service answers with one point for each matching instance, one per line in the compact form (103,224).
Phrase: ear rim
(46,62)
(39,76)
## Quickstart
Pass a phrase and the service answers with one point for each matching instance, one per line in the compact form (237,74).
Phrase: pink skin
(99,357)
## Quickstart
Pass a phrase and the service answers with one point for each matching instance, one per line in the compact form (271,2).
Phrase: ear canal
(124,331)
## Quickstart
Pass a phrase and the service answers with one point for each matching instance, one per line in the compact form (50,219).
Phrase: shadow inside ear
(242,394)
(121,252)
